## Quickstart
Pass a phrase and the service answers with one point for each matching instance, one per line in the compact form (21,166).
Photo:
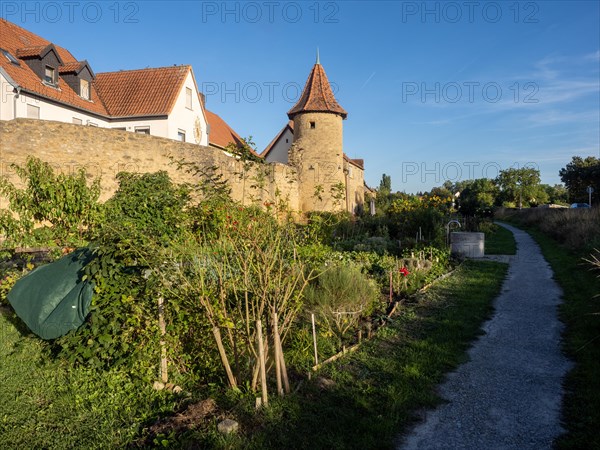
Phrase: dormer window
(50,75)
(84,89)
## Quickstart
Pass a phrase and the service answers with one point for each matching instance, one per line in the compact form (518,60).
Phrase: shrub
(63,201)
(144,215)
(342,296)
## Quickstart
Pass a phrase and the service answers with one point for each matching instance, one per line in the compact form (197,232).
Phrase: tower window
(313,125)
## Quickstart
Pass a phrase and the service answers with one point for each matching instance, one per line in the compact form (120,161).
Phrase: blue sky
(435,91)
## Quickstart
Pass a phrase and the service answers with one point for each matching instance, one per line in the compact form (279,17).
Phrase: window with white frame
(49,75)
(33,112)
(142,130)
(77,121)
(181,135)
(188,98)
(84,89)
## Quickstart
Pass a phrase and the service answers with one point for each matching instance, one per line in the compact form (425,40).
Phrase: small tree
(241,276)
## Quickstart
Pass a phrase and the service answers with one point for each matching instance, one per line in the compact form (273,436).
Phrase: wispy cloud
(368,79)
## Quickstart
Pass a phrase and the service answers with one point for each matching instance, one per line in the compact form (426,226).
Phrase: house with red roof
(41,80)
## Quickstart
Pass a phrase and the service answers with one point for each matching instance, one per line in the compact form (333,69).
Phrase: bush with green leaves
(142,218)
(60,208)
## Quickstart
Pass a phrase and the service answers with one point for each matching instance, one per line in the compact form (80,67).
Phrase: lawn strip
(48,404)
(500,242)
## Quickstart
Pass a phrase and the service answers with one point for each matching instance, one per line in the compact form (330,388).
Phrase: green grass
(46,404)
(580,313)
(377,389)
(500,242)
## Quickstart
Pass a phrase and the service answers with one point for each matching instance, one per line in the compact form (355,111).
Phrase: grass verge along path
(500,242)
(580,312)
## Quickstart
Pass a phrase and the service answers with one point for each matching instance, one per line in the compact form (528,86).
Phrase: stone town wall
(105,152)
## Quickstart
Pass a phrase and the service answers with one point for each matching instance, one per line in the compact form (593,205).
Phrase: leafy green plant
(65,202)
(142,218)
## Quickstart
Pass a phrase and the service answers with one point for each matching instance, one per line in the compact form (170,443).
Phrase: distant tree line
(513,188)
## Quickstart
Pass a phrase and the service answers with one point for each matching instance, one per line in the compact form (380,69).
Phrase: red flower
(404,271)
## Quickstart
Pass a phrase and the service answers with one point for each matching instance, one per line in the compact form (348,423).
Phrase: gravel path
(508,395)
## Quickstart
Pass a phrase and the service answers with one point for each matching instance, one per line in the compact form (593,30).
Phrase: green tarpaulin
(52,300)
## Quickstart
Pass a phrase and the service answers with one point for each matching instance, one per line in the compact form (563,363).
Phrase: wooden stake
(314,330)
(284,375)
(277,351)
(286,381)
(164,375)
(224,359)
(391,286)
(261,361)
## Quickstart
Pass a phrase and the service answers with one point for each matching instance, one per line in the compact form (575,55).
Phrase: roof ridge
(146,68)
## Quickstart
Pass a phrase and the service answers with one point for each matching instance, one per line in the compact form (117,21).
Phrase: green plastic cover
(53,300)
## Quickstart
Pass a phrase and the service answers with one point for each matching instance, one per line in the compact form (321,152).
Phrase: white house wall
(181,117)
(279,152)
(184,119)
(56,112)
(158,127)
(6,102)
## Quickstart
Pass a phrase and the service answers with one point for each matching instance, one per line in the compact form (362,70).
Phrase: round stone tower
(317,151)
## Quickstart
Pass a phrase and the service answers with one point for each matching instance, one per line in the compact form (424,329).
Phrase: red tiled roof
(317,95)
(144,92)
(221,134)
(28,52)
(267,150)
(13,38)
(70,67)
(360,163)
